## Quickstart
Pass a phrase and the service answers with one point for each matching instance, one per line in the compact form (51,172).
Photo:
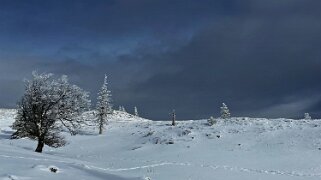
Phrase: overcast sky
(261,57)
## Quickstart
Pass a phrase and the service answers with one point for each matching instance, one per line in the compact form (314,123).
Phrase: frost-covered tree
(104,106)
(123,109)
(47,107)
(211,121)
(225,112)
(307,116)
(136,111)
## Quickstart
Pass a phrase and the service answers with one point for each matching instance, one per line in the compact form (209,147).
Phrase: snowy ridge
(232,149)
(116,116)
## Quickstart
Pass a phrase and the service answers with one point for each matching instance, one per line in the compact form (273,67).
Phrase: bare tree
(47,107)
(173,118)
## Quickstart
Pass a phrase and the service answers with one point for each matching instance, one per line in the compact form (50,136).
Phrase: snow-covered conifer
(104,105)
(211,121)
(307,116)
(225,112)
(47,107)
(123,109)
(136,111)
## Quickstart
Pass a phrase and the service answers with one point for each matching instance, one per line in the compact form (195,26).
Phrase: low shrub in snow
(211,121)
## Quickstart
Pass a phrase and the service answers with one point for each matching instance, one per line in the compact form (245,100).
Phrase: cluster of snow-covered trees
(225,114)
(51,105)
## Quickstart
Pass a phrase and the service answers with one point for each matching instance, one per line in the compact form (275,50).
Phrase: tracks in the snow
(154,164)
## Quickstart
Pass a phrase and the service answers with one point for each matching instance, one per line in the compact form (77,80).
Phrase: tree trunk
(100,129)
(101,124)
(40,146)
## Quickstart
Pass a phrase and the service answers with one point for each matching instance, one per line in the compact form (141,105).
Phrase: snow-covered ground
(135,148)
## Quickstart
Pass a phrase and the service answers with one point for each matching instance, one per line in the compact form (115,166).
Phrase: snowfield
(136,148)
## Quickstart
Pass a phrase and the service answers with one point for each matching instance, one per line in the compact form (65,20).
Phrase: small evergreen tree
(136,111)
(307,116)
(104,106)
(225,112)
(211,121)
(123,109)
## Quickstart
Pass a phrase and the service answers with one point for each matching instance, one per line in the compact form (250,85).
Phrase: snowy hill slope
(240,148)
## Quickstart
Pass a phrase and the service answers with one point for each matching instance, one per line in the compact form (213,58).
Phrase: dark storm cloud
(258,63)
(260,57)
(104,18)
